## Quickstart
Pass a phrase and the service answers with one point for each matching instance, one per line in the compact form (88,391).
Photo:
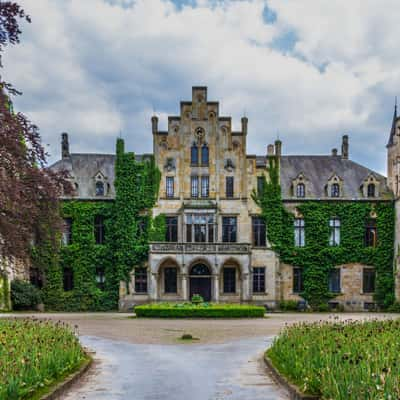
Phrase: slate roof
(318,170)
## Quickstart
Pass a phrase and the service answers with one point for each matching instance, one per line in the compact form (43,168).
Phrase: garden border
(60,388)
(294,391)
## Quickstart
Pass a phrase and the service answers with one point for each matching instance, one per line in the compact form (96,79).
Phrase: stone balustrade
(200,248)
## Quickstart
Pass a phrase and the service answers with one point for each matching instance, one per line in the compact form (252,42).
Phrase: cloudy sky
(306,70)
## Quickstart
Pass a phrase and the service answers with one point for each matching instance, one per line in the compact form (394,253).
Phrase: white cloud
(96,67)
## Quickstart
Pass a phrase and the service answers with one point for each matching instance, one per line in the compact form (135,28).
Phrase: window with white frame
(299,232)
(334,232)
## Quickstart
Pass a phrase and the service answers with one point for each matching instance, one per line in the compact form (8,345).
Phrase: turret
(154,124)
(345,147)
(278,148)
(64,145)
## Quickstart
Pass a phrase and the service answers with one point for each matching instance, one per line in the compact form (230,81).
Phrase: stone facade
(214,247)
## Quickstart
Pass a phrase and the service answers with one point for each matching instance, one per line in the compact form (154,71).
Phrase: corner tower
(393,154)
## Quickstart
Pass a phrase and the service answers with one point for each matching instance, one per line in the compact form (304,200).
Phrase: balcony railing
(200,248)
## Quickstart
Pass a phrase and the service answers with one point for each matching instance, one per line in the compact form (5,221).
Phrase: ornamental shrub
(288,305)
(24,296)
(197,299)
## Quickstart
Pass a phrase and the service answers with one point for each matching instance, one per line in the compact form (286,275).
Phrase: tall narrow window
(204,155)
(260,185)
(229,280)
(194,155)
(172,229)
(170,280)
(205,186)
(258,280)
(140,280)
(229,186)
(68,279)
(368,280)
(194,186)
(371,190)
(99,229)
(229,229)
(35,277)
(259,232)
(334,234)
(298,284)
(300,190)
(100,277)
(370,233)
(335,190)
(169,186)
(99,188)
(67,231)
(299,232)
(334,280)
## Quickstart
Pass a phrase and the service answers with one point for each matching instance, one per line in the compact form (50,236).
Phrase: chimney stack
(345,147)
(270,150)
(278,148)
(244,125)
(154,124)
(334,152)
(64,145)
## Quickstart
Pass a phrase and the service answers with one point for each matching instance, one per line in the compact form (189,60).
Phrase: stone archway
(200,281)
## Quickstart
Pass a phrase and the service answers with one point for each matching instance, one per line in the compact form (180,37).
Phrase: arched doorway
(200,281)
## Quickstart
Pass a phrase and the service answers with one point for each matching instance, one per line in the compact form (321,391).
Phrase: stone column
(216,288)
(246,286)
(153,286)
(184,287)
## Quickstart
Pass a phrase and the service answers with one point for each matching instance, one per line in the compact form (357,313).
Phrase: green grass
(203,310)
(341,360)
(35,355)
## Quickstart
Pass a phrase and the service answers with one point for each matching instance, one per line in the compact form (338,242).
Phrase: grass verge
(36,355)
(341,360)
(203,310)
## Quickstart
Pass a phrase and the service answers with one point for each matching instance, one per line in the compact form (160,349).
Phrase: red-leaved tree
(28,191)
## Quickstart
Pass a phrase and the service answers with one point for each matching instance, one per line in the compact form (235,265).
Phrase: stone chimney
(154,124)
(345,147)
(278,148)
(64,145)
(244,125)
(270,150)
(334,152)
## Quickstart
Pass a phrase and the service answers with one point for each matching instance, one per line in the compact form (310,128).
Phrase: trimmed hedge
(204,310)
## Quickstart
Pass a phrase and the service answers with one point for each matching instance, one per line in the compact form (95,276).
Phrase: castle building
(216,238)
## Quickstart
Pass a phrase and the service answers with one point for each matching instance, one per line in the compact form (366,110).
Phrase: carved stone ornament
(199,134)
(164,143)
(169,164)
(229,165)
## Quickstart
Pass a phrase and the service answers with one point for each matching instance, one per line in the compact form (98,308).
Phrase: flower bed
(203,310)
(341,360)
(34,355)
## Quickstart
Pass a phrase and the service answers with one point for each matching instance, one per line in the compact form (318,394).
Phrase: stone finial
(334,152)
(278,148)
(154,124)
(345,147)
(244,125)
(64,145)
(270,150)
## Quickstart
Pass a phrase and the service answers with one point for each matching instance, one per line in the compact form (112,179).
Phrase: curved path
(231,371)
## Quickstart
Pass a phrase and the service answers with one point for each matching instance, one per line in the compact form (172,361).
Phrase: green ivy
(128,228)
(317,258)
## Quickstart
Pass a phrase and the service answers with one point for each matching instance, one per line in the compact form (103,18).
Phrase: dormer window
(371,190)
(204,155)
(194,155)
(335,190)
(300,190)
(99,188)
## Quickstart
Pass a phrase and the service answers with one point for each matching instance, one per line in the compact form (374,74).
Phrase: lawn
(202,310)
(34,355)
(341,360)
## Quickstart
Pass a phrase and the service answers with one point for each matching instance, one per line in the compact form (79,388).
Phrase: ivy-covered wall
(317,258)
(128,227)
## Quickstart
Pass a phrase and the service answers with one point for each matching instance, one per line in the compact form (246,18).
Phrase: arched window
(99,188)
(300,190)
(204,155)
(200,269)
(335,190)
(194,155)
(371,190)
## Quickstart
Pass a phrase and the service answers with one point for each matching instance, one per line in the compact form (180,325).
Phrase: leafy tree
(28,191)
